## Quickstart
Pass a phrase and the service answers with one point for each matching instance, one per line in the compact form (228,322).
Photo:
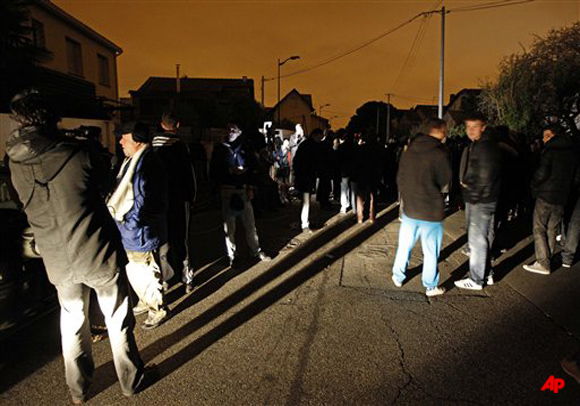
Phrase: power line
(355,49)
(413,51)
(486,6)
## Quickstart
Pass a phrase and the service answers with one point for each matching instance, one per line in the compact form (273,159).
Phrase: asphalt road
(323,324)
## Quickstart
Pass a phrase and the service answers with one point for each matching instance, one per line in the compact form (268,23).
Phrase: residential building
(201,103)
(297,108)
(77,50)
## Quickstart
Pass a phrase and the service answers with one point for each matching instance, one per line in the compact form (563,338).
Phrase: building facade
(77,50)
(296,108)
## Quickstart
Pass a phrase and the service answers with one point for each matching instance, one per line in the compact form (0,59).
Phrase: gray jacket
(57,186)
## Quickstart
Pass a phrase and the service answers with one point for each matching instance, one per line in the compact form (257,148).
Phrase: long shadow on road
(258,305)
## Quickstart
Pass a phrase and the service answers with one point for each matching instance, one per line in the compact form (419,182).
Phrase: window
(104,74)
(38,39)
(74,57)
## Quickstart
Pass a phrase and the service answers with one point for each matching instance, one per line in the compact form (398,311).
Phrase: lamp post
(279,65)
(321,107)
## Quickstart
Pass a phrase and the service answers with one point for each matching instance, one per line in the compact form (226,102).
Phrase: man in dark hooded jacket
(78,240)
(424,172)
(551,185)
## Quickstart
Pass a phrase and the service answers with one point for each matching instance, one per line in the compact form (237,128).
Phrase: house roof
(59,13)
(157,84)
(306,97)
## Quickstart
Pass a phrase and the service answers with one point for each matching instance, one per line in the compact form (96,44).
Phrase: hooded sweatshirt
(424,172)
(56,183)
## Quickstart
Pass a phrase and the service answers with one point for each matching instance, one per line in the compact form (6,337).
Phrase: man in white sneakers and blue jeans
(479,175)
(424,172)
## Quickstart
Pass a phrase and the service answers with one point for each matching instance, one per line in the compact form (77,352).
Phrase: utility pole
(442,64)
(177,78)
(388,137)
(378,108)
(263,80)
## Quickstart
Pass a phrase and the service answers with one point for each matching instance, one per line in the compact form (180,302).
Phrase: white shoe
(140,308)
(537,268)
(489,281)
(436,291)
(468,283)
(397,282)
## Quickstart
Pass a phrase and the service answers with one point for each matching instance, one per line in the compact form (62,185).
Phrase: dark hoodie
(556,173)
(58,188)
(424,171)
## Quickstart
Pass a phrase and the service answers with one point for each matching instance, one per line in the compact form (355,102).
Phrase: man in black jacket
(480,172)
(305,165)
(181,188)
(78,240)
(551,185)
(424,172)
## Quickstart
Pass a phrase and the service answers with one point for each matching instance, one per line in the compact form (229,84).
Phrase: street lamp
(279,65)
(321,107)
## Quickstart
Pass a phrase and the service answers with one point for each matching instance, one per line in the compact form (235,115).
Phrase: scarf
(122,199)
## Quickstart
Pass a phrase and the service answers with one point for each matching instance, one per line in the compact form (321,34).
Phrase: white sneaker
(537,268)
(436,291)
(468,283)
(140,308)
(263,256)
(397,282)
(489,281)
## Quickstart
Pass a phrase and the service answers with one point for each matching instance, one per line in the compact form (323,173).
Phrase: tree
(368,116)
(538,86)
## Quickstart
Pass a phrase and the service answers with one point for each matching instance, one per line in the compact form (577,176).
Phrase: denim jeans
(431,233)
(480,235)
(112,293)
(572,235)
(547,218)
(246,215)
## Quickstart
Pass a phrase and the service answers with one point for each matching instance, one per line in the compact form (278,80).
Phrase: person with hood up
(77,239)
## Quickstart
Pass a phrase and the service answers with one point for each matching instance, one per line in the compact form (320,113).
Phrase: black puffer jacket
(480,170)
(55,181)
(557,172)
(424,171)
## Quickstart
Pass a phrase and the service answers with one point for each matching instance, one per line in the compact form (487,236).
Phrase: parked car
(25,292)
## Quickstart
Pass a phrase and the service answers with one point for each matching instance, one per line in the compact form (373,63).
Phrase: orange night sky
(232,39)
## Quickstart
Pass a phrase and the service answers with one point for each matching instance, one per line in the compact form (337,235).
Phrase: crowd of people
(111,236)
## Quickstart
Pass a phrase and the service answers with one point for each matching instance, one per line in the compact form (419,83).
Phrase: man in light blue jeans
(431,234)
(424,173)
